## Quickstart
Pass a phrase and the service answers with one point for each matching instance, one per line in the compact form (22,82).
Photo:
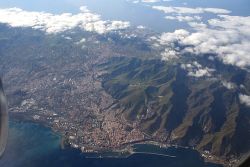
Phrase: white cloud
(169,54)
(187,10)
(68,38)
(51,23)
(135,1)
(147,1)
(227,36)
(242,86)
(169,38)
(228,85)
(150,1)
(84,9)
(197,25)
(83,40)
(141,27)
(166,40)
(244,99)
(184,18)
(197,70)
(200,73)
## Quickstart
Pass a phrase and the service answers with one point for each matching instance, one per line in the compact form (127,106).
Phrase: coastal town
(73,103)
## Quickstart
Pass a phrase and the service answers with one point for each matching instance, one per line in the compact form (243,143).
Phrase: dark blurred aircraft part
(3,120)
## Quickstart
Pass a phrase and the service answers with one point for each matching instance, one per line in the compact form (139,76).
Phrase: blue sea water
(32,145)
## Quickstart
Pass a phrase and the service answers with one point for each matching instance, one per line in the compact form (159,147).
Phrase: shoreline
(128,148)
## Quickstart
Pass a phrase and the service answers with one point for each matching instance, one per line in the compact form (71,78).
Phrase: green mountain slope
(172,106)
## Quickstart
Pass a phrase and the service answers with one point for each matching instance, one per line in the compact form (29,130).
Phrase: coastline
(126,150)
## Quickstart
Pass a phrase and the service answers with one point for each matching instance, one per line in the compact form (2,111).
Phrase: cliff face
(3,120)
